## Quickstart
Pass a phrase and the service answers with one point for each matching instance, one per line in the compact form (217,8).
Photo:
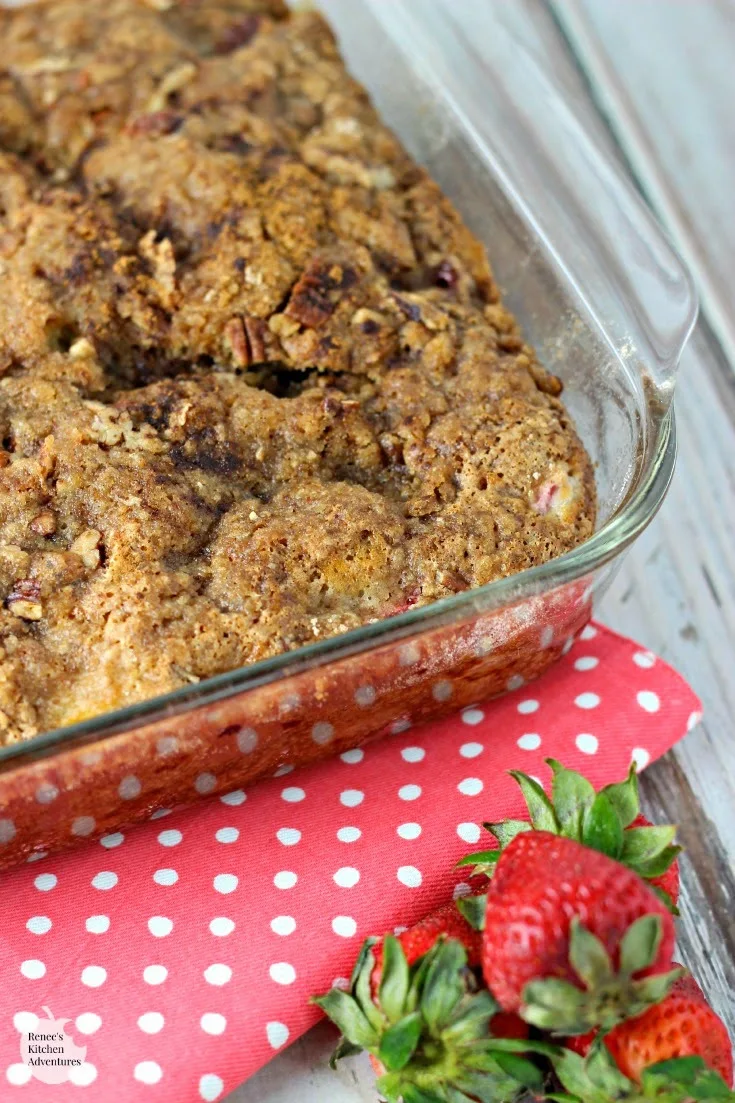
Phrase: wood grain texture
(662,73)
(676,594)
(676,590)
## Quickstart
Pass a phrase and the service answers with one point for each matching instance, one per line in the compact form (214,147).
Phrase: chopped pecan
(453,580)
(24,600)
(86,546)
(160,256)
(392,448)
(236,338)
(316,294)
(44,523)
(4,458)
(81,348)
(255,330)
(155,124)
(173,81)
(237,34)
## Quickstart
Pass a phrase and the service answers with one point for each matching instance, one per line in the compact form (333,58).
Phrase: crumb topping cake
(257,386)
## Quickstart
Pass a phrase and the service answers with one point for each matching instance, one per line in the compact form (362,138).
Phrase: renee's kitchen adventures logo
(50,1053)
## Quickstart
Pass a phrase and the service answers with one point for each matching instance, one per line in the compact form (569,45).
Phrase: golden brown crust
(257,387)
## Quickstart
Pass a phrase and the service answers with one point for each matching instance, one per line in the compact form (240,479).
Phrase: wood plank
(663,76)
(675,594)
(302,1075)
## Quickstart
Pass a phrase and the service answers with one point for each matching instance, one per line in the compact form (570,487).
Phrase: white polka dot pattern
(344,926)
(529,741)
(39,924)
(212,1023)
(469,832)
(587,743)
(160,929)
(409,876)
(97,924)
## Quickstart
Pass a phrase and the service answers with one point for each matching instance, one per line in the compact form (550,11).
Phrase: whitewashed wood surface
(660,70)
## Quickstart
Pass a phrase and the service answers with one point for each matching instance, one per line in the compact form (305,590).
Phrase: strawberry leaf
(409,1094)
(343,1049)
(601,827)
(664,897)
(643,844)
(540,808)
(436,1046)
(554,1005)
(654,867)
(365,950)
(484,861)
(692,1075)
(594,1079)
(607,997)
(623,795)
(472,1019)
(362,989)
(343,1010)
(653,989)
(521,1069)
(473,908)
(394,980)
(640,944)
(443,986)
(506,831)
(588,956)
(454,1095)
(573,796)
(399,1041)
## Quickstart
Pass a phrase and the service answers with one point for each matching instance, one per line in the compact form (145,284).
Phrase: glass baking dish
(608,305)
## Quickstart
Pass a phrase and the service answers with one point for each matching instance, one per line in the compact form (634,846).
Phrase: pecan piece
(86,546)
(173,81)
(154,124)
(24,600)
(44,523)
(316,294)
(255,330)
(238,34)
(236,338)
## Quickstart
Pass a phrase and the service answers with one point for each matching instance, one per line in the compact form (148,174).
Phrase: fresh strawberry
(420,938)
(428,1028)
(608,821)
(597,1079)
(682,1025)
(572,939)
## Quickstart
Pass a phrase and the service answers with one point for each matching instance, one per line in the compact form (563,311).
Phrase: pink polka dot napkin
(183,953)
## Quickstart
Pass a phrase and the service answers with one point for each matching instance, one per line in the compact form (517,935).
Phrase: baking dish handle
(596,227)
